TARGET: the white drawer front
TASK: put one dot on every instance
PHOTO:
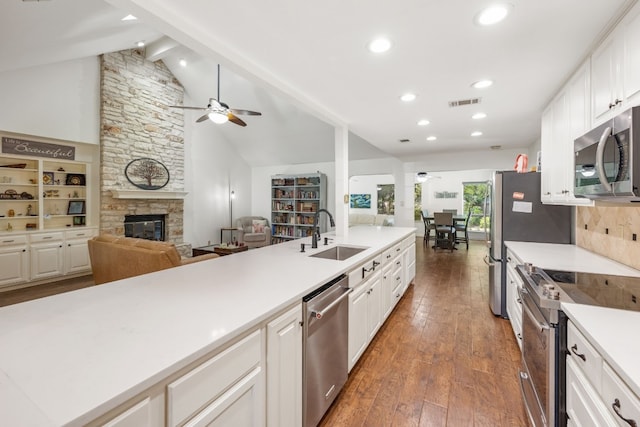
(188, 394)
(620, 400)
(584, 406)
(13, 240)
(585, 356)
(84, 233)
(46, 237)
(389, 254)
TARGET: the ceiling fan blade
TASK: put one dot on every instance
(235, 120)
(245, 112)
(187, 108)
(203, 118)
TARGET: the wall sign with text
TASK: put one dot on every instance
(25, 147)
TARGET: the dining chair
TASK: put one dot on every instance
(462, 230)
(428, 226)
(453, 211)
(444, 230)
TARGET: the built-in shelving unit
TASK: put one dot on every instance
(295, 199)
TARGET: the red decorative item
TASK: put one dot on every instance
(521, 163)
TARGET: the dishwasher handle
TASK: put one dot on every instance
(320, 313)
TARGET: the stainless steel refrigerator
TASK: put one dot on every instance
(517, 214)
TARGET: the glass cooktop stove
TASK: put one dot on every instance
(605, 290)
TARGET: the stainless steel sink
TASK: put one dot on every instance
(339, 253)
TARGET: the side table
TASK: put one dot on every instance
(216, 249)
(230, 230)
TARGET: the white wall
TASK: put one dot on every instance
(367, 184)
(59, 101)
(212, 169)
(451, 182)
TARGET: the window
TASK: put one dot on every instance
(386, 199)
(417, 201)
(474, 196)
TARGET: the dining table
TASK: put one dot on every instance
(456, 219)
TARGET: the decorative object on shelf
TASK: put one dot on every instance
(75, 195)
(146, 173)
(10, 194)
(31, 226)
(75, 179)
(79, 220)
(76, 207)
(360, 201)
(11, 213)
(15, 166)
(47, 178)
(6, 179)
(29, 208)
(25, 147)
(25, 195)
(9, 226)
(60, 169)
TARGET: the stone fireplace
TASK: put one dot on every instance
(136, 122)
(150, 227)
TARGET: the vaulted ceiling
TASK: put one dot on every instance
(307, 68)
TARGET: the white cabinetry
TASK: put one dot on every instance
(615, 71)
(148, 412)
(514, 304)
(562, 121)
(408, 261)
(76, 250)
(284, 369)
(14, 260)
(595, 393)
(46, 255)
(365, 307)
(227, 389)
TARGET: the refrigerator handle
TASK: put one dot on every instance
(487, 238)
(488, 262)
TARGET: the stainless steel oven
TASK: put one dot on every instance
(542, 373)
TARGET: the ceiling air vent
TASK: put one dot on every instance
(496, 147)
(463, 102)
(405, 140)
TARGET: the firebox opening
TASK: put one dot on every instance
(150, 227)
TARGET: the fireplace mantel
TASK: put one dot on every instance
(148, 194)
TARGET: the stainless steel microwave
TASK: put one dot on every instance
(606, 162)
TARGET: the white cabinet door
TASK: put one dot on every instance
(387, 290)
(148, 412)
(76, 256)
(46, 260)
(240, 406)
(357, 324)
(14, 264)
(548, 159)
(284, 369)
(631, 54)
(374, 306)
(585, 407)
(604, 79)
(579, 100)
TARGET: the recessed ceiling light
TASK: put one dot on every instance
(408, 97)
(423, 122)
(140, 43)
(183, 62)
(380, 45)
(431, 138)
(476, 133)
(493, 14)
(478, 116)
(481, 84)
(129, 18)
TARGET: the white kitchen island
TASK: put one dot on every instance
(72, 357)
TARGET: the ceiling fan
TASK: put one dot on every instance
(219, 112)
(424, 177)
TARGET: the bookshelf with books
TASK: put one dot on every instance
(295, 199)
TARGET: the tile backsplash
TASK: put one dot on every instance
(611, 231)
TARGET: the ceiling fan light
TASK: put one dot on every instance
(218, 118)
(421, 177)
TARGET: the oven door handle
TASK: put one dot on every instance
(600, 159)
(541, 325)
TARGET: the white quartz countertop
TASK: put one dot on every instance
(614, 333)
(568, 257)
(67, 358)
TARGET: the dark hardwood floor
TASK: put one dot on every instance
(442, 358)
(44, 290)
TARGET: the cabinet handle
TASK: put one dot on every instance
(616, 408)
(397, 262)
(574, 350)
(618, 101)
(24, 250)
(69, 244)
(520, 336)
(60, 246)
(548, 193)
(398, 278)
(375, 264)
(611, 105)
(47, 237)
(397, 249)
(8, 241)
(388, 256)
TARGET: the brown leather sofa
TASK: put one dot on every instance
(115, 258)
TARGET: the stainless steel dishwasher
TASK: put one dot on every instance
(325, 339)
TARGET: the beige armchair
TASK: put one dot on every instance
(253, 231)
